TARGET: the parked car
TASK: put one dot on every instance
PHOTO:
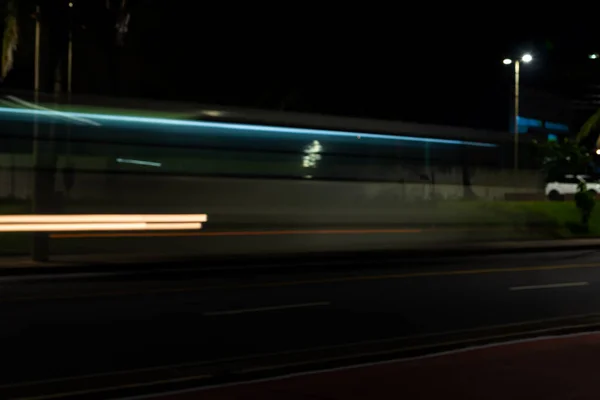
(556, 190)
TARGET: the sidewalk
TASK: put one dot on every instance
(547, 368)
(22, 265)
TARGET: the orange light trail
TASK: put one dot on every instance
(100, 222)
(100, 218)
(127, 226)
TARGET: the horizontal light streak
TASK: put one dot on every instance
(123, 226)
(138, 162)
(52, 112)
(100, 218)
(244, 128)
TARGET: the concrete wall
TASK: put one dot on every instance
(94, 180)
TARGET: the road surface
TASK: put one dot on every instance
(64, 327)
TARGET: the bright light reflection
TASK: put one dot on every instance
(101, 218)
(527, 58)
(131, 226)
(312, 154)
(507, 61)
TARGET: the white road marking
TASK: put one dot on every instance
(551, 286)
(261, 309)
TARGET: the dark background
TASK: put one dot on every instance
(424, 64)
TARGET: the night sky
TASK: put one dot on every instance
(431, 65)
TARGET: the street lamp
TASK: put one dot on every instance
(526, 58)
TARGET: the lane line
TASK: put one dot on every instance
(262, 309)
(550, 286)
(305, 282)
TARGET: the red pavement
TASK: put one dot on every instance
(552, 368)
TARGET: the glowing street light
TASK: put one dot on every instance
(598, 152)
(526, 58)
(593, 56)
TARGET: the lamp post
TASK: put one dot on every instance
(69, 80)
(526, 58)
(70, 54)
(39, 247)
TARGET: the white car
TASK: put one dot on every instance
(556, 190)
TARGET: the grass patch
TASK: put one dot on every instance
(549, 219)
(557, 219)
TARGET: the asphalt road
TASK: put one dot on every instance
(58, 327)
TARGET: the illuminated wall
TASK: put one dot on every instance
(552, 129)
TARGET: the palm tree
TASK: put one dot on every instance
(569, 156)
(122, 22)
(120, 10)
(591, 125)
(10, 37)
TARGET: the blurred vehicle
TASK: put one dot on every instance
(556, 190)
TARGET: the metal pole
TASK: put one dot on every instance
(427, 195)
(68, 167)
(36, 76)
(516, 133)
(70, 62)
(69, 80)
(39, 250)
